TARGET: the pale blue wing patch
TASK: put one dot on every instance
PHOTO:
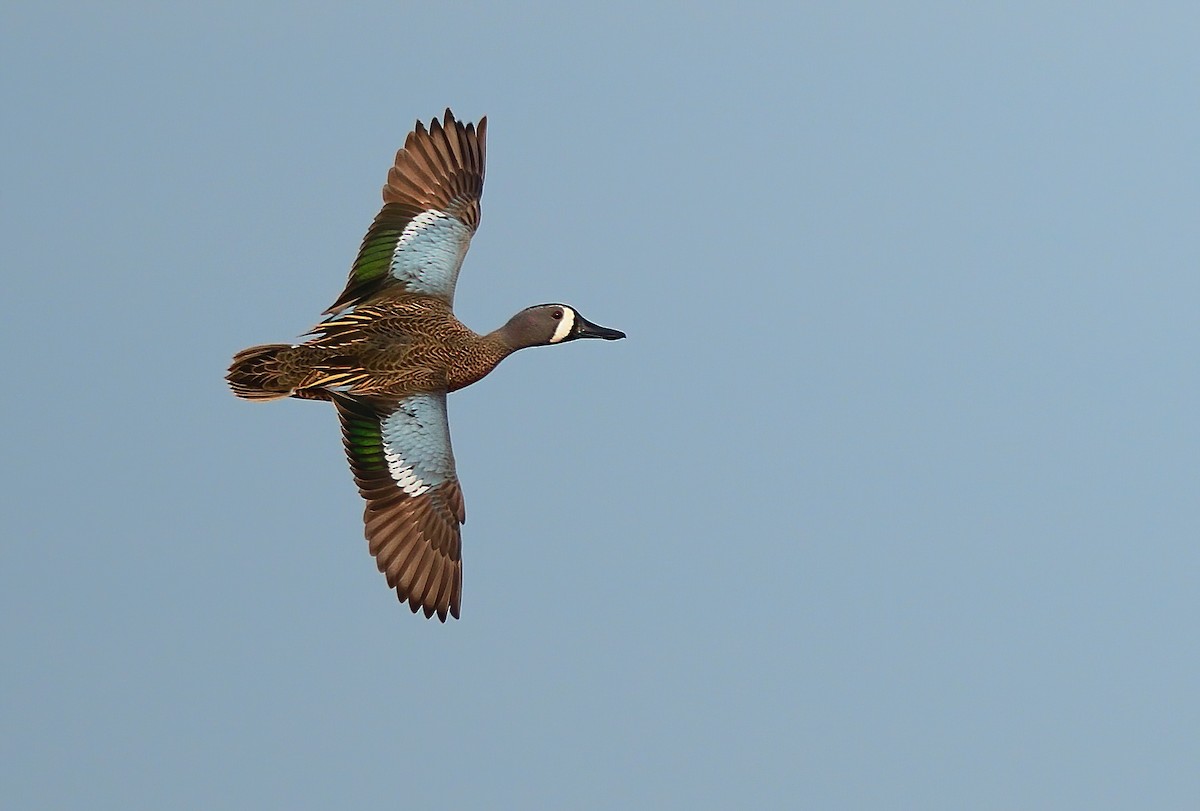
(429, 253)
(416, 443)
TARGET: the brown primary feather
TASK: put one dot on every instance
(441, 168)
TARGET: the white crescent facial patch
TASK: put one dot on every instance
(564, 326)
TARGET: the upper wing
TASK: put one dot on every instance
(399, 451)
(430, 212)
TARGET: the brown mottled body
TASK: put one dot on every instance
(398, 344)
(393, 345)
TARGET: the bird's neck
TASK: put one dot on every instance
(484, 355)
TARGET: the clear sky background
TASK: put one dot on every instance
(890, 499)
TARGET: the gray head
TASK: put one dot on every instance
(552, 324)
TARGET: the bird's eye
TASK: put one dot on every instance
(557, 314)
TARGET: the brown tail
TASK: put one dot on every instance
(257, 373)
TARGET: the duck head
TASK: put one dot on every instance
(552, 324)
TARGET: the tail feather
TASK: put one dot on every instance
(257, 373)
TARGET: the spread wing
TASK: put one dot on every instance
(399, 451)
(430, 212)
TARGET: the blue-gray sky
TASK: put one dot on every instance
(888, 501)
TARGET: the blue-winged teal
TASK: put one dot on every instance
(391, 348)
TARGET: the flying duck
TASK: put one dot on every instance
(389, 351)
